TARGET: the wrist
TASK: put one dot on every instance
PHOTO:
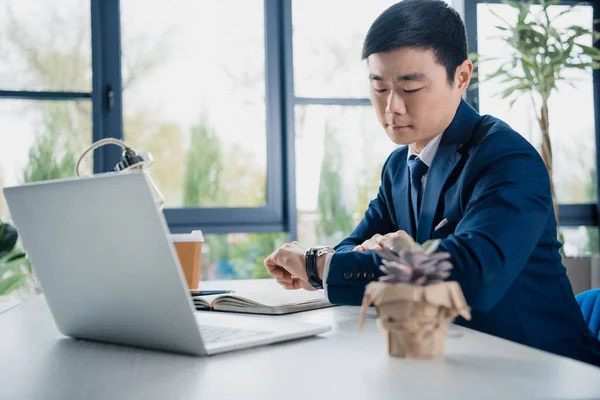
(315, 265)
(321, 265)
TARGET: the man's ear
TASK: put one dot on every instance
(463, 75)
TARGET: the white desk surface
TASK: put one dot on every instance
(37, 362)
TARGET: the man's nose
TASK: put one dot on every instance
(395, 104)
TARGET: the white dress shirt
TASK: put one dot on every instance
(426, 155)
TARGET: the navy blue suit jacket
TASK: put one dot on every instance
(493, 188)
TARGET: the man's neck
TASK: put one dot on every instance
(417, 147)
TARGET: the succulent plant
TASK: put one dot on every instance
(408, 262)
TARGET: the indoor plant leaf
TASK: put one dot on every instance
(11, 283)
(8, 238)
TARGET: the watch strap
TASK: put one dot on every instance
(311, 267)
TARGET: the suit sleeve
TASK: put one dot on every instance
(503, 221)
(348, 274)
(377, 218)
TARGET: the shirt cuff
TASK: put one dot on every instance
(326, 272)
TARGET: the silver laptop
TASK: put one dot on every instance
(99, 247)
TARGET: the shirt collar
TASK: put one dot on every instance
(426, 155)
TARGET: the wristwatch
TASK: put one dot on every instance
(311, 256)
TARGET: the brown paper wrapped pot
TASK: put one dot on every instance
(415, 319)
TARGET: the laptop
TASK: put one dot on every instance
(100, 249)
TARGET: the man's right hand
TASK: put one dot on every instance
(375, 242)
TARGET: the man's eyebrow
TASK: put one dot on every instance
(415, 76)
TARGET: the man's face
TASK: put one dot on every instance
(412, 97)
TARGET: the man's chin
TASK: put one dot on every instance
(401, 140)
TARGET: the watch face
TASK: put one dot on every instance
(324, 250)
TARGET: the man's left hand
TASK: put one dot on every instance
(288, 266)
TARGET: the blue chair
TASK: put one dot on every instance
(589, 302)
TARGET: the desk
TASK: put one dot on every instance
(37, 362)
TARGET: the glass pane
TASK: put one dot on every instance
(194, 96)
(45, 45)
(42, 140)
(580, 241)
(571, 109)
(327, 49)
(238, 255)
(339, 155)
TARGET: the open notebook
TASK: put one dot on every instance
(273, 303)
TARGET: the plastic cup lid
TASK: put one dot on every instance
(194, 236)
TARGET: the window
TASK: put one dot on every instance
(238, 255)
(572, 113)
(571, 109)
(45, 52)
(340, 151)
(580, 240)
(194, 96)
(45, 45)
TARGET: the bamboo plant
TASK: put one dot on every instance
(539, 59)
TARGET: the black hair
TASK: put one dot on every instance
(420, 24)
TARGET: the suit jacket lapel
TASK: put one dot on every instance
(443, 164)
(446, 158)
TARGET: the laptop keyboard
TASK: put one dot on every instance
(216, 334)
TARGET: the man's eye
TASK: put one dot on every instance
(412, 91)
(380, 90)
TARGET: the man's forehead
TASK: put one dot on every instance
(403, 60)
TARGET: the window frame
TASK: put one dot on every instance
(570, 214)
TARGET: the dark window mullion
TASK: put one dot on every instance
(286, 57)
(43, 95)
(106, 81)
(273, 106)
(578, 214)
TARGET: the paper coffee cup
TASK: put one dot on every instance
(189, 251)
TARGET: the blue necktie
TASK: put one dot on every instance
(417, 169)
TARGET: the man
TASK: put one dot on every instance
(468, 180)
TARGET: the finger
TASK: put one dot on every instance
(366, 243)
(360, 247)
(302, 284)
(285, 277)
(273, 269)
(273, 265)
(296, 284)
(285, 284)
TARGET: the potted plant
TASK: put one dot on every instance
(541, 56)
(11, 260)
(414, 304)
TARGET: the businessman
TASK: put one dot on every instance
(469, 180)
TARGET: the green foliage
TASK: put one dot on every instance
(44, 161)
(203, 168)
(540, 57)
(334, 216)
(248, 257)
(12, 262)
(229, 256)
(541, 54)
